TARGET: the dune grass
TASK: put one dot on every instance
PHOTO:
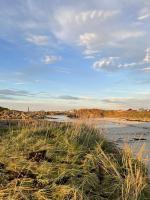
(67, 162)
(131, 115)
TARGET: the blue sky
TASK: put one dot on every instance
(64, 54)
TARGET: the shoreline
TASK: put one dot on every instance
(112, 118)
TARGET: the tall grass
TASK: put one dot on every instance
(78, 164)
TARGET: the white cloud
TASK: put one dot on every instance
(72, 23)
(50, 59)
(144, 14)
(141, 63)
(146, 69)
(39, 40)
(89, 57)
(102, 15)
(112, 63)
(97, 30)
(108, 28)
(87, 38)
(147, 56)
(123, 35)
(106, 63)
(126, 65)
(90, 52)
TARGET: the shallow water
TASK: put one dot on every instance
(135, 134)
(58, 118)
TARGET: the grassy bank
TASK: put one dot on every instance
(130, 114)
(67, 162)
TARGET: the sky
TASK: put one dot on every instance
(66, 54)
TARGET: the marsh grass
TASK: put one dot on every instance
(68, 162)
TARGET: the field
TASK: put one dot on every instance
(44, 161)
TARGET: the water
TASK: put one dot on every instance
(59, 118)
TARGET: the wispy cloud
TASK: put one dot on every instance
(144, 14)
(50, 59)
(124, 35)
(5, 97)
(109, 63)
(147, 56)
(86, 16)
(39, 40)
(14, 94)
(114, 63)
(146, 69)
(130, 101)
(68, 97)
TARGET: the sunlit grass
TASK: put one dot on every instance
(77, 164)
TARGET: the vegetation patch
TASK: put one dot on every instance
(67, 162)
(131, 115)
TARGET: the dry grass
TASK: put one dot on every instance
(134, 115)
(78, 164)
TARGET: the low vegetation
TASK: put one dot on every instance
(135, 115)
(143, 115)
(67, 162)
(2, 109)
(6, 114)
